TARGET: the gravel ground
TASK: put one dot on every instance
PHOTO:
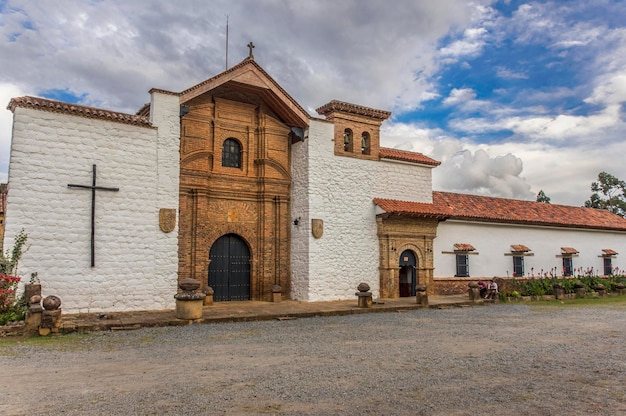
(506, 359)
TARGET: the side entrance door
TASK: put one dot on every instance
(408, 263)
(229, 269)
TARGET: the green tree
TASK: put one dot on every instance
(609, 193)
(542, 197)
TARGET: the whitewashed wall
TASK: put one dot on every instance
(492, 241)
(135, 262)
(339, 190)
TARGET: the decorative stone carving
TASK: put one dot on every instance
(317, 228)
(51, 303)
(167, 219)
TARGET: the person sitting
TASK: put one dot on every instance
(483, 289)
(492, 290)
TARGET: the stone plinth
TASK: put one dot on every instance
(364, 296)
(474, 291)
(51, 315)
(276, 293)
(421, 297)
(208, 300)
(579, 288)
(189, 303)
(558, 291)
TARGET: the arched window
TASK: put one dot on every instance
(231, 154)
(365, 143)
(347, 140)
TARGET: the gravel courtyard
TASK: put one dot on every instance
(505, 359)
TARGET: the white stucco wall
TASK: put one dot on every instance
(135, 262)
(492, 241)
(339, 190)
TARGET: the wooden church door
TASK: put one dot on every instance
(229, 269)
(408, 263)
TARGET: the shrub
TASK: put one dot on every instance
(11, 309)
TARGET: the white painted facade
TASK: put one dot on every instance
(135, 262)
(493, 241)
(339, 190)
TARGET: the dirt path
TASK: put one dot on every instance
(501, 359)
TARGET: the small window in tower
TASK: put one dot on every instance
(231, 154)
(347, 140)
(365, 143)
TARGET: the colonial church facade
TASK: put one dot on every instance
(233, 183)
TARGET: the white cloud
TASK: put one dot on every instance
(460, 95)
(470, 44)
(506, 73)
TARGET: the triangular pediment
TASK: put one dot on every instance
(249, 77)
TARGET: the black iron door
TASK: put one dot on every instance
(229, 269)
(408, 263)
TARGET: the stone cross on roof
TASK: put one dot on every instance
(251, 46)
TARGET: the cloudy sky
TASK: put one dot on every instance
(512, 96)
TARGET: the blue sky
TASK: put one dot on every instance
(511, 96)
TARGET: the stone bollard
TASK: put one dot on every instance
(51, 315)
(474, 291)
(579, 288)
(421, 297)
(558, 291)
(208, 300)
(364, 295)
(276, 293)
(620, 288)
(189, 302)
(34, 313)
(601, 290)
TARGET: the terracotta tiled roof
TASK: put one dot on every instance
(519, 248)
(569, 250)
(609, 252)
(414, 157)
(502, 210)
(416, 209)
(464, 247)
(341, 106)
(77, 110)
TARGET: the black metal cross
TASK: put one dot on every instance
(93, 188)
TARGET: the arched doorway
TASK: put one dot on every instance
(408, 265)
(229, 268)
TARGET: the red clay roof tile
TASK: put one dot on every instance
(403, 155)
(77, 110)
(569, 250)
(447, 205)
(519, 248)
(609, 252)
(463, 247)
(342, 106)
